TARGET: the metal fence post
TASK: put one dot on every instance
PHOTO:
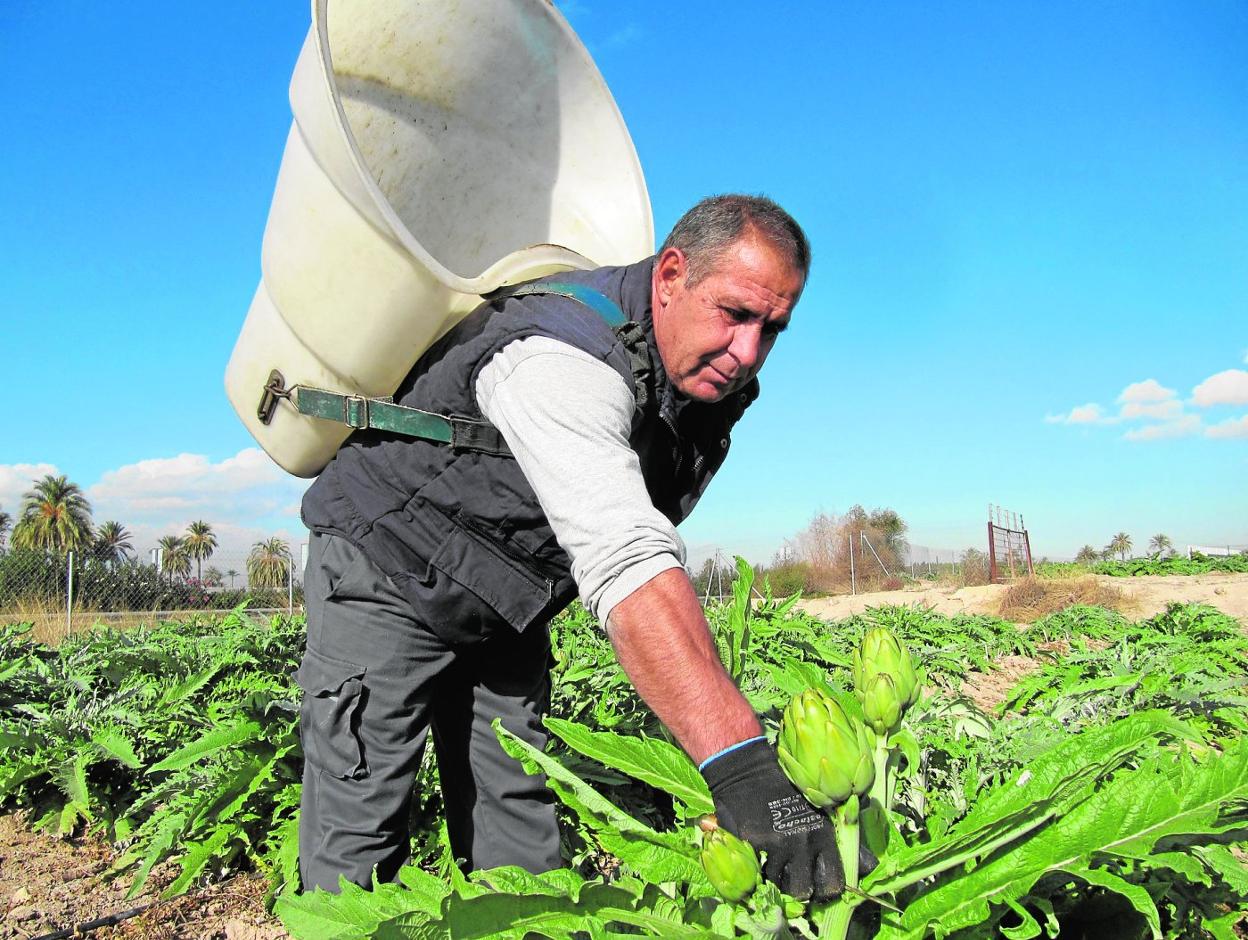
(853, 578)
(69, 592)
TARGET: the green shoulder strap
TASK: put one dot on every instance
(383, 414)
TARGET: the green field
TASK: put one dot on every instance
(1106, 794)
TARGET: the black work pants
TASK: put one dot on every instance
(376, 679)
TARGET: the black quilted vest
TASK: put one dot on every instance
(461, 533)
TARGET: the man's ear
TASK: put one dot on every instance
(669, 273)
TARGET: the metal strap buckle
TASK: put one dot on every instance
(355, 411)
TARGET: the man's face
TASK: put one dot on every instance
(713, 337)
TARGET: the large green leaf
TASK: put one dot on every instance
(650, 760)
(209, 743)
(353, 913)
(113, 743)
(656, 856)
(1166, 798)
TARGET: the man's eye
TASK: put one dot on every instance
(738, 316)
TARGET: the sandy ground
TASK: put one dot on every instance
(1147, 596)
(49, 884)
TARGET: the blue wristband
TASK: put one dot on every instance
(729, 749)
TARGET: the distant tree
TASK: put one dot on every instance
(200, 543)
(1160, 544)
(231, 574)
(1088, 555)
(174, 560)
(6, 522)
(1120, 543)
(893, 528)
(112, 543)
(55, 517)
(212, 577)
(268, 563)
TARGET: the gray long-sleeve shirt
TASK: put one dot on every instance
(566, 417)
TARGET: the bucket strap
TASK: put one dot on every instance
(383, 414)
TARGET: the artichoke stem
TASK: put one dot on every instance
(833, 919)
(881, 787)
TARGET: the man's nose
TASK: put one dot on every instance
(746, 345)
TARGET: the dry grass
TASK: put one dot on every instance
(1029, 599)
(49, 622)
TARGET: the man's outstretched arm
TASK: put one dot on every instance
(663, 642)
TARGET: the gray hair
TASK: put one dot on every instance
(716, 223)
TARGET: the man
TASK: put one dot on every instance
(434, 570)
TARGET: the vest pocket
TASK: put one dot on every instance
(329, 715)
(516, 594)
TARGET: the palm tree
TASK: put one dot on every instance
(231, 574)
(1160, 544)
(268, 563)
(55, 517)
(112, 543)
(5, 522)
(200, 544)
(1087, 555)
(174, 561)
(1120, 543)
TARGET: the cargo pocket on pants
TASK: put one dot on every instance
(329, 716)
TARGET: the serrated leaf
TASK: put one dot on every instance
(209, 743)
(650, 760)
(1165, 798)
(198, 855)
(656, 856)
(116, 745)
(1228, 867)
(352, 914)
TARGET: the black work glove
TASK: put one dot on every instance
(755, 801)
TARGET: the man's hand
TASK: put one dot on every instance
(755, 801)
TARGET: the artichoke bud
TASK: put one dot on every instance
(731, 865)
(882, 653)
(882, 705)
(823, 751)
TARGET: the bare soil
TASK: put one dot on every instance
(1138, 597)
(1144, 596)
(49, 884)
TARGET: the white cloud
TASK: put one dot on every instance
(1225, 388)
(1184, 426)
(1080, 414)
(1149, 390)
(168, 492)
(1235, 427)
(1161, 410)
(16, 479)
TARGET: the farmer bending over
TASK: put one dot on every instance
(434, 570)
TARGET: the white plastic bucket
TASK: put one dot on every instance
(439, 150)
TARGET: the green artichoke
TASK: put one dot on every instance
(881, 704)
(730, 864)
(824, 751)
(881, 653)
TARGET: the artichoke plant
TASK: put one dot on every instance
(731, 865)
(824, 751)
(882, 704)
(881, 653)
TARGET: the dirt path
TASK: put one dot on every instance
(1147, 595)
(49, 884)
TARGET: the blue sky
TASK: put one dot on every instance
(1030, 226)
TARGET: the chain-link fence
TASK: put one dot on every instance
(64, 593)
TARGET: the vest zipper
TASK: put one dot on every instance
(522, 563)
(680, 451)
